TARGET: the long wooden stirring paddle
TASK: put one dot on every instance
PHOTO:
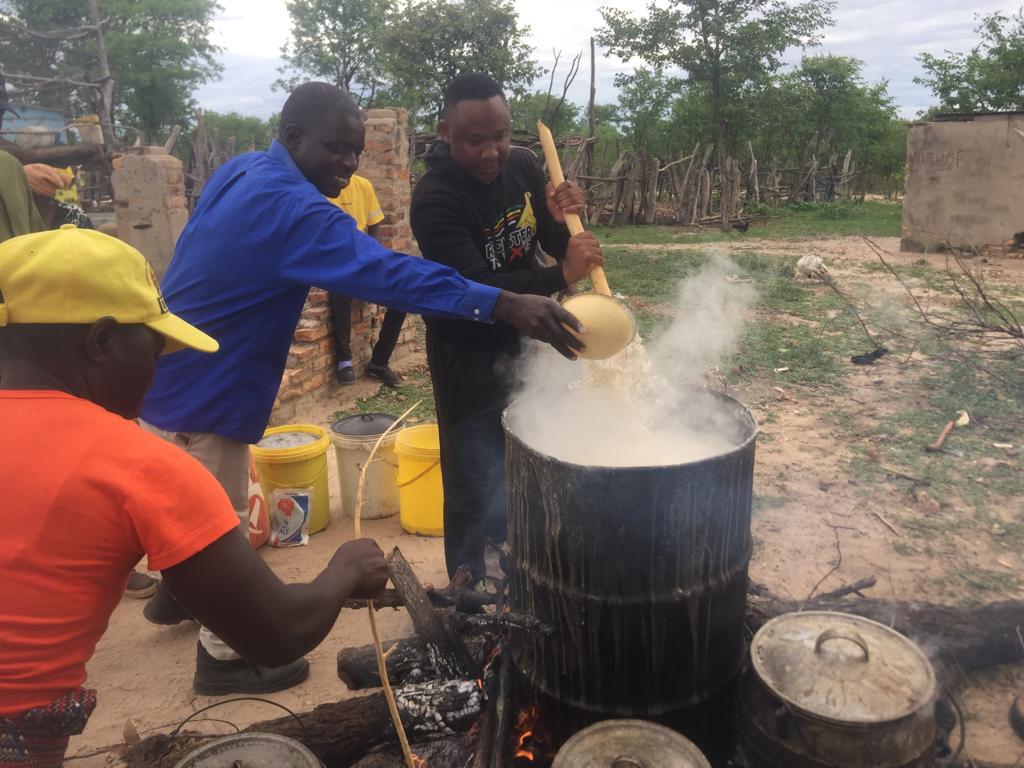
(610, 324)
(572, 221)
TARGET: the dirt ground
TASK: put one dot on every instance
(822, 516)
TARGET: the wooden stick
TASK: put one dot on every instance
(889, 525)
(382, 667)
(937, 445)
(572, 221)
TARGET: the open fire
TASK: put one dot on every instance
(531, 739)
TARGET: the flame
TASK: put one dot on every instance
(524, 724)
(418, 761)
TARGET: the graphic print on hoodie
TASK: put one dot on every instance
(512, 236)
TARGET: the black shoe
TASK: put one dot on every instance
(384, 373)
(219, 678)
(164, 609)
(140, 586)
(346, 376)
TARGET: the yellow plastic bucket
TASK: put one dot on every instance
(420, 495)
(292, 463)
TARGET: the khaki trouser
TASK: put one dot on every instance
(228, 461)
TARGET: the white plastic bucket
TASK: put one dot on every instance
(353, 438)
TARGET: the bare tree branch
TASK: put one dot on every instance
(51, 35)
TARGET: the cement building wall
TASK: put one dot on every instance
(965, 182)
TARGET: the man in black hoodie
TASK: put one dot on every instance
(482, 208)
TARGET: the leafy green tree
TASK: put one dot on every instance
(723, 46)
(337, 41)
(528, 108)
(825, 103)
(426, 43)
(249, 133)
(645, 96)
(159, 52)
(29, 55)
(990, 77)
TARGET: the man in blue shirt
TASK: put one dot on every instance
(262, 234)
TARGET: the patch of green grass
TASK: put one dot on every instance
(872, 218)
(788, 354)
(652, 275)
(415, 386)
(996, 409)
(902, 548)
(920, 271)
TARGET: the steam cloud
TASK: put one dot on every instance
(648, 408)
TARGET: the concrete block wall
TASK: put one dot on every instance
(309, 375)
(965, 182)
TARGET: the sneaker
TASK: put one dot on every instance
(384, 373)
(346, 376)
(219, 678)
(140, 586)
(164, 609)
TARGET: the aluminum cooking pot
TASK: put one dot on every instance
(830, 690)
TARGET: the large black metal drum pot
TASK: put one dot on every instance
(641, 571)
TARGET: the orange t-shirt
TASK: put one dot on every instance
(85, 494)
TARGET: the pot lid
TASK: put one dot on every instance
(842, 668)
(253, 750)
(629, 744)
(363, 425)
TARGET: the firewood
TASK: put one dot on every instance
(341, 732)
(455, 751)
(408, 661)
(449, 655)
(485, 734)
(502, 714)
(464, 600)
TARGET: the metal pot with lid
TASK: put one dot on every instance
(832, 689)
(629, 744)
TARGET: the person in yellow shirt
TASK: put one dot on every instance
(359, 200)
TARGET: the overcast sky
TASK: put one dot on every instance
(886, 35)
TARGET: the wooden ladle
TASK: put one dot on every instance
(610, 324)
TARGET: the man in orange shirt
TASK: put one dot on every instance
(88, 493)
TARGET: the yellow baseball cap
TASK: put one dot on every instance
(78, 276)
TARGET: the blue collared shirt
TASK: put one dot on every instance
(259, 238)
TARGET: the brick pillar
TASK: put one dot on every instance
(310, 372)
(151, 209)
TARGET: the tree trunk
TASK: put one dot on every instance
(723, 161)
(591, 117)
(107, 89)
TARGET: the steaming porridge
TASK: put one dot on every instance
(644, 407)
